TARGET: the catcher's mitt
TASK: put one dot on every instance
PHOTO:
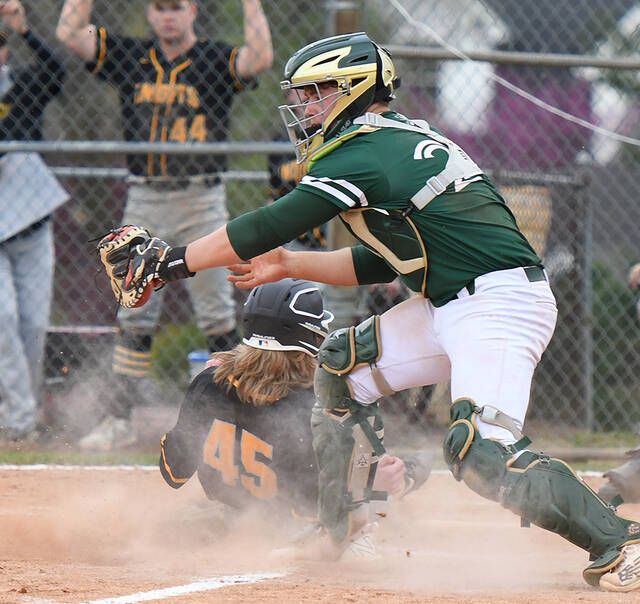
(132, 258)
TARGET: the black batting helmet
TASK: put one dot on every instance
(285, 315)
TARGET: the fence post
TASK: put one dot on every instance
(587, 274)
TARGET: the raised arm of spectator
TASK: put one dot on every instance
(256, 55)
(75, 31)
(48, 72)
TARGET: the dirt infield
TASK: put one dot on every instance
(86, 535)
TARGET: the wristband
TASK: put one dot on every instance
(174, 266)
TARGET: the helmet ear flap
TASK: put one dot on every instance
(386, 80)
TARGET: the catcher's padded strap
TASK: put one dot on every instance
(496, 417)
(359, 415)
(380, 381)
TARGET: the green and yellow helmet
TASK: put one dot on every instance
(363, 71)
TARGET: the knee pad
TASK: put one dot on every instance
(542, 490)
(351, 347)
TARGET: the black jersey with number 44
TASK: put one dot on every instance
(184, 100)
(243, 454)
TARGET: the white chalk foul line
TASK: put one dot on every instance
(73, 468)
(180, 590)
(40, 467)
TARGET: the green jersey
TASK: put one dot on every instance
(461, 227)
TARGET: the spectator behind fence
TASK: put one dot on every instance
(28, 195)
(173, 87)
(623, 482)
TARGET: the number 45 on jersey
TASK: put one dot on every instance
(220, 453)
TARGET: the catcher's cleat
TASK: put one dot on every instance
(362, 546)
(625, 575)
(110, 434)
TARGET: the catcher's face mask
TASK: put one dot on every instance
(309, 111)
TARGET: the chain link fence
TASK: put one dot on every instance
(574, 189)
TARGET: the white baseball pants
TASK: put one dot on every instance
(487, 343)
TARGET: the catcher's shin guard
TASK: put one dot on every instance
(347, 436)
(347, 443)
(543, 490)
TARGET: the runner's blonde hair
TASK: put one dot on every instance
(262, 377)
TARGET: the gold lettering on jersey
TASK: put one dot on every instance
(167, 94)
(5, 110)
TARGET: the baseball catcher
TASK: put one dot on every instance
(482, 315)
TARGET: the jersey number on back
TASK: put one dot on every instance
(219, 452)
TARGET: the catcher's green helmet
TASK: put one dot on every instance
(363, 71)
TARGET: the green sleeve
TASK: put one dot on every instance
(369, 267)
(266, 228)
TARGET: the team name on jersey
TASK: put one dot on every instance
(166, 94)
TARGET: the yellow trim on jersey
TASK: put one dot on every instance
(156, 110)
(173, 77)
(167, 467)
(257, 398)
(334, 143)
(102, 50)
(237, 82)
(425, 293)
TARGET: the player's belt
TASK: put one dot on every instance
(174, 184)
(532, 273)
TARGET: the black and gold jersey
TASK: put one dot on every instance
(243, 454)
(184, 100)
(30, 90)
